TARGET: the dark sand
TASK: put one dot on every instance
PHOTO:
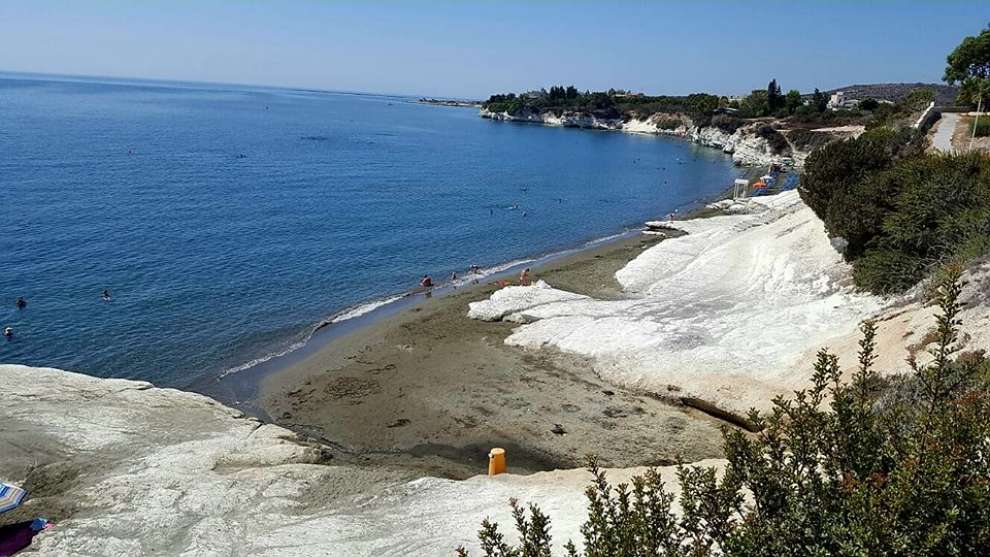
(432, 391)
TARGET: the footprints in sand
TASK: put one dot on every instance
(401, 422)
(348, 387)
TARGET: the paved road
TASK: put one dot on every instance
(943, 135)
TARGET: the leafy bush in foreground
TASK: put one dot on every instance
(867, 467)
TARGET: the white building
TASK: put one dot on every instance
(838, 101)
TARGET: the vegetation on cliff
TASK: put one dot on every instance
(728, 114)
(606, 104)
(902, 212)
(872, 466)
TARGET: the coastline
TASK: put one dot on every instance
(237, 385)
(330, 390)
(432, 390)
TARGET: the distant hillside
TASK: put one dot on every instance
(944, 94)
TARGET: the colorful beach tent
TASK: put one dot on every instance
(11, 497)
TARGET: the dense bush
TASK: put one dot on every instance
(808, 140)
(607, 104)
(835, 184)
(669, 123)
(776, 140)
(901, 211)
(727, 123)
(980, 128)
(867, 467)
(904, 112)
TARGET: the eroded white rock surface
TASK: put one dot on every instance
(744, 144)
(725, 313)
(129, 469)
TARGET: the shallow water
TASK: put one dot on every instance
(227, 221)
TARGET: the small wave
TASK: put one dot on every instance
(260, 360)
(358, 311)
(362, 309)
(349, 313)
(605, 239)
(468, 277)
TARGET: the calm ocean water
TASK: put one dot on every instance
(227, 221)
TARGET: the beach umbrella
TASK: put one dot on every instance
(11, 497)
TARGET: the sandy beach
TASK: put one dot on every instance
(432, 390)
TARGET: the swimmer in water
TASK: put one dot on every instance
(106, 295)
(8, 333)
(21, 303)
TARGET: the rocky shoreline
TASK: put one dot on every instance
(124, 468)
(744, 144)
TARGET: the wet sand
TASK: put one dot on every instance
(431, 391)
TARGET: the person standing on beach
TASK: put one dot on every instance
(427, 284)
(524, 278)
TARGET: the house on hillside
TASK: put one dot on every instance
(839, 101)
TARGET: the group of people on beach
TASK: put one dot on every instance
(20, 303)
(426, 283)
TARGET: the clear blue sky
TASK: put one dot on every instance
(471, 49)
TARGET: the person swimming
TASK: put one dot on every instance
(21, 303)
(8, 333)
(106, 295)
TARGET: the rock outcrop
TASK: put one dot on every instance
(745, 145)
(125, 468)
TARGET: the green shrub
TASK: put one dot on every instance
(669, 123)
(941, 211)
(835, 184)
(776, 140)
(865, 467)
(726, 123)
(808, 140)
(901, 211)
(980, 127)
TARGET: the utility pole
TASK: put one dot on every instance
(979, 108)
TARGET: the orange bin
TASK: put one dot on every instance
(496, 462)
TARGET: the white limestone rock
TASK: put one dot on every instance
(129, 469)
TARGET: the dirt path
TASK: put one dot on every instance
(942, 140)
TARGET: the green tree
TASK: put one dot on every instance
(755, 104)
(702, 103)
(793, 100)
(775, 99)
(970, 59)
(870, 104)
(969, 65)
(819, 100)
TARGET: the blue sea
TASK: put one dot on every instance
(228, 221)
